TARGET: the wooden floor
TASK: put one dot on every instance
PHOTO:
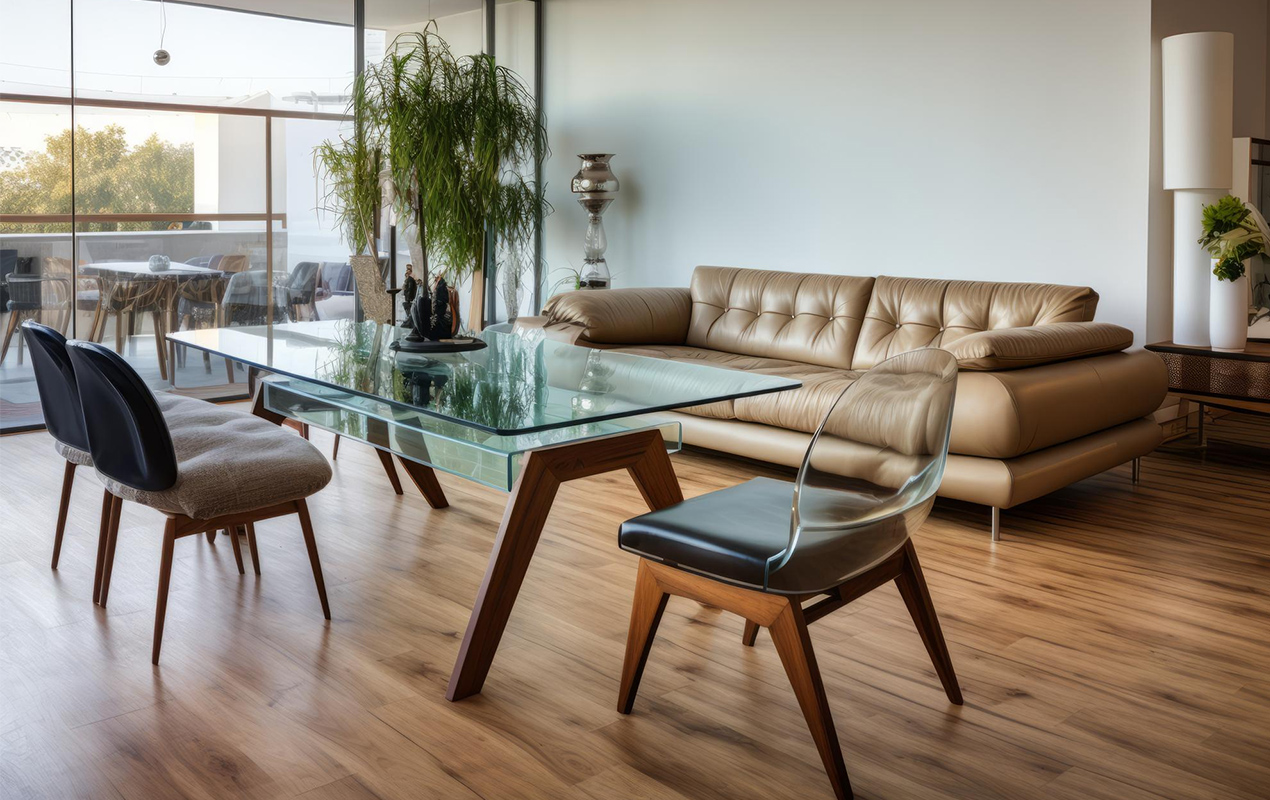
(1115, 645)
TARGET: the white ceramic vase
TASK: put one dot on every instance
(1228, 313)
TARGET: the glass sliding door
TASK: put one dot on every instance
(108, 159)
(35, 192)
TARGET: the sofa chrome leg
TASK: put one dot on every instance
(1137, 470)
(996, 524)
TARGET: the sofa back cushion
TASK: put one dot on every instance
(815, 319)
(908, 313)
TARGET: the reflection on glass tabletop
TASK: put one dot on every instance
(520, 383)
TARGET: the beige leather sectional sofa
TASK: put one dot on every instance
(1045, 397)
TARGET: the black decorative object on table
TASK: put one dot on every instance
(409, 290)
(432, 323)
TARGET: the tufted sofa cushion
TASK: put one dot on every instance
(810, 318)
(909, 313)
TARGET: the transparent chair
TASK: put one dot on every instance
(841, 529)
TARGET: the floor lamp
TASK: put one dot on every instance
(1199, 89)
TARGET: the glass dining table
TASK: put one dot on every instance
(522, 415)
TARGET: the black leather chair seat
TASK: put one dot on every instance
(730, 534)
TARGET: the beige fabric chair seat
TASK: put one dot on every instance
(82, 458)
(228, 462)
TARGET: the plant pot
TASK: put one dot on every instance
(1228, 314)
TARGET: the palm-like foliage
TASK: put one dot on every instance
(349, 170)
(458, 138)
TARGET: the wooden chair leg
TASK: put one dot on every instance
(646, 612)
(751, 633)
(112, 538)
(68, 477)
(251, 544)
(232, 533)
(916, 596)
(165, 578)
(160, 344)
(304, 431)
(103, 533)
(211, 536)
(335, 451)
(789, 634)
(310, 542)
(8, 333)
(386, 460)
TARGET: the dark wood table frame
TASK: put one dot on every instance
(641, 453)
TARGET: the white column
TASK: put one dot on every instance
(1199, 87)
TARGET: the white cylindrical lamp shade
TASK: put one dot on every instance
(1198, 109)
(1199, 102)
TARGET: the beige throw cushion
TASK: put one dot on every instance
(1012, 348)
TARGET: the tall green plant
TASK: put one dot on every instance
(459, 138)
(349, 171)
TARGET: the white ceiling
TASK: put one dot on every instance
(379, 13)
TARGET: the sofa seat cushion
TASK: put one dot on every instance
(799, 409)
(230, 461)
(1008, 413)
(1000, 414)
(793, 408)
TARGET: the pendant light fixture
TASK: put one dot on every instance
(161, 56)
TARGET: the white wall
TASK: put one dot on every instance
(981, 139)
(1249, 20)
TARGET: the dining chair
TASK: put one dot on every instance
(204, 467)
(197, 305)
(841, 529)
(59, 403)
(35, 296)
(299, 291)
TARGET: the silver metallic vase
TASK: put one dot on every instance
(596, 187)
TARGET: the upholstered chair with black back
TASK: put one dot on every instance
(841, 529)
(59, 402)
(299, 291)
(204, 467)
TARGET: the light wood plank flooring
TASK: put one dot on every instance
(1115, 645)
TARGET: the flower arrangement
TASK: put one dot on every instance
(1233, 233)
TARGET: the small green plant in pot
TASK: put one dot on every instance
(1233, 234)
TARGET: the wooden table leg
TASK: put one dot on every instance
(642, 453)
(425, 480)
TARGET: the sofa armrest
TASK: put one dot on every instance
(621, 316)
(1013, 348)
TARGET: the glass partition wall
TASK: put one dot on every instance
(138, 199)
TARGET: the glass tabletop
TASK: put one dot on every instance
(520, 383)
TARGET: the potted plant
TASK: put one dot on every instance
(1233, 234)
(349, 168)
(459, 138)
